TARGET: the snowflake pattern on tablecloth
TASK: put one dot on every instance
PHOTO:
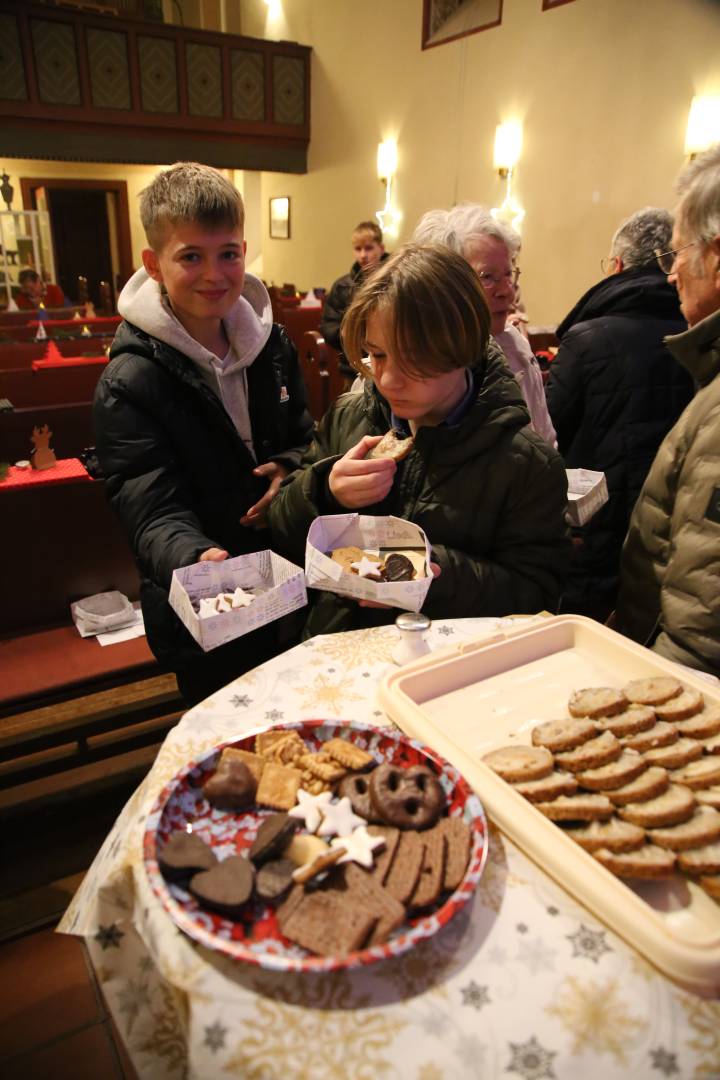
(328, 696)
(590, 944)
(133, 997)
(446, 631)
(536, 955)
(273, 715)
(241, 701)
(215, 1037)
(664, 1061)
(531, 1060)
(474, 995)
(552, 911)
(521, 928)
(109, 936)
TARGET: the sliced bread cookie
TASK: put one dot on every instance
(709, 796)
(623, 770)
(673, 806)
(576, 808)
(601, 750)
(614, 835)
(636, 718)
(702, 828)
(681, 707)
(702, 725)
(516, 763)
(702, 773)
(649, 861)
(557, 783)
(675, 756)
(712, 745)
(563, 734)
(661, 734)
(652, 691)
(597, 701)
(702, 860)
(648, 785)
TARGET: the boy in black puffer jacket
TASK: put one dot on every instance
(199, 414)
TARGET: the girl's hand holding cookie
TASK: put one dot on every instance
(356, 482)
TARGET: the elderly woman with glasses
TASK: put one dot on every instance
(614, 392)
(491, 249)
(670, 578)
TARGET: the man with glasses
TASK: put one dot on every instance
(491, 248)
(670, 579)
(614, 392)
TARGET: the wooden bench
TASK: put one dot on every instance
(319, 365)
(66, 701)
(298, 320)
(52, 386)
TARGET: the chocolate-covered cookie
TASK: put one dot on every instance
(410, 798)
(226, 888)
(398, 568)
(274, 880)
(183, 855)
(232, 786)
(357, 789)
(272, 836)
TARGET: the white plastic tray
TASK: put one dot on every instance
(470, 699)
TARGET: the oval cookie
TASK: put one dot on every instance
(515, 763)
(563, 734)
(673, 806)
(596, 702)
(652, 691)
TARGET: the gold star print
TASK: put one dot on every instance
(325, 695)
(360, 647)
(597, 1018)
(704, 1020)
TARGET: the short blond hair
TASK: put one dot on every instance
(367, 228)
(187, 192)
(434, 309)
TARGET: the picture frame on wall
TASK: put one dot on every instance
(280, 218)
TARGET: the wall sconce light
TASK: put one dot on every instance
(388, 217)
(703, 126)
(506, 154)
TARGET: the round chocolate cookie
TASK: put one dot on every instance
(410, 798)
(357, 789)
(183, 855)
(398, 568)
(272, 837)
(226, 888)
(274, 879)
(231, 787)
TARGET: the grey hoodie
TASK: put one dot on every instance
(247, 325)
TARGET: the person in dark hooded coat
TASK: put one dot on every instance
(613, 394)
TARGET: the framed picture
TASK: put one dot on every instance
(448, 20)
(280, 218)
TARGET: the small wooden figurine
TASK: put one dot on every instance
(42, 457)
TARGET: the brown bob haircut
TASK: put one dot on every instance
(434, 312)
(188, 192)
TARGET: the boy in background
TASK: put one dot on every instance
(367, 245)
(199, 414)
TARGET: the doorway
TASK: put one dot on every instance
(90, 227)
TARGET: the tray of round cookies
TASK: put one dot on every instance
(601, 760)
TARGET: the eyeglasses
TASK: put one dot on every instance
(491, 281)
(666, 259)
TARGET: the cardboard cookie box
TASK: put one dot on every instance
(587, 493)
(379, 536)
(277, 587)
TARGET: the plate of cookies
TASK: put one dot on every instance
(601, 760)
(315, 845)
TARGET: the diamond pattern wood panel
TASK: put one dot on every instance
(13, 86)
(204, 78)
(109, 71)
(56, 62)
(288, 90)
(158, 75)
(248, 85)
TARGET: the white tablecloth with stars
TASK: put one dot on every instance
(523, 984)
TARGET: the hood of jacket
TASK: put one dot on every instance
(499, 408)
(642, 293)
(247, 324)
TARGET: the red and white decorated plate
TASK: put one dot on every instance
(256, 937)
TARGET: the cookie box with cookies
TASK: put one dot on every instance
(601, 760)
(385, 559)
(220, 601)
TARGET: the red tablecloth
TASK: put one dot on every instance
(63, 472)
(69, 361)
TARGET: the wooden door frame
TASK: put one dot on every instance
(29, 186)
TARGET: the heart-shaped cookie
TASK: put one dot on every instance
(226, 888)
(183, 855)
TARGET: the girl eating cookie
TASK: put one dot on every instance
(489, 494)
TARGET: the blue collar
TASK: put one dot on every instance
(458, 413)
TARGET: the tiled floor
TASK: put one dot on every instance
(53, 1021)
